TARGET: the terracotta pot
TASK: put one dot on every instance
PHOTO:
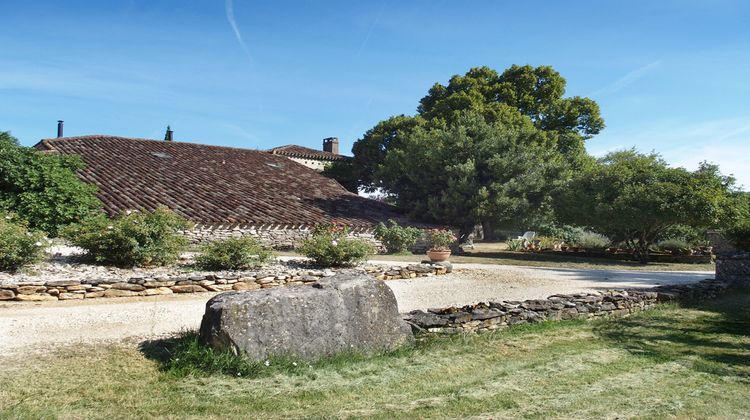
(437, 255)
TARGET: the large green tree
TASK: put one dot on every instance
(636, 198)
(522, 97)
(43, 188)
(472, 171)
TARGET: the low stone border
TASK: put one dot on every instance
(151, 286)
(497, 315)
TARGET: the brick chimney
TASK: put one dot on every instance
(331, 145)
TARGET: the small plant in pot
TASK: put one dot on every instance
(439, 242)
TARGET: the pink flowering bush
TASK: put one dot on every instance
(440, 239)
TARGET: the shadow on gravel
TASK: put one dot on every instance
(711, 337)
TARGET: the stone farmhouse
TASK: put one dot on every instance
(314, 159)
(225, 191)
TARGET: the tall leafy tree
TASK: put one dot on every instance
(471, 171)
(521, 98)
(636, 198)
(43, 188)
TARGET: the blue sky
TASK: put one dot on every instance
(670, 76)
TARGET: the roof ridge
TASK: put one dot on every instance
(95, 136)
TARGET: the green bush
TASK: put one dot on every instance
(131, 239)
(43, 189)
(232, 254)
(397, 239)
(591, 240)
(674, 246)
(328, 246)
(739, 235)
(566, 233)
(516, 244)
(548, 242)
(18, 246)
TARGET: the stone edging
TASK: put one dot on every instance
(151, 286)
(493, 315)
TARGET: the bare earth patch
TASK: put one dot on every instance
(41, 326)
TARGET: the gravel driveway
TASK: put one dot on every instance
(36, 327)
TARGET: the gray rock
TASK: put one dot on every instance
(426, 319)
(346, 312)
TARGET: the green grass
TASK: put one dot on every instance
(686, 362)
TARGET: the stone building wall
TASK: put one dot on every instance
(721, 245)
(279, 237)
(734, 268)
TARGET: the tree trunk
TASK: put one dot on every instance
(641, 252)
(488, 230)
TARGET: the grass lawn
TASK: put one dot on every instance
(685, 362)
(497, 253)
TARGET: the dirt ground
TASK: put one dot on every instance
(30, 327)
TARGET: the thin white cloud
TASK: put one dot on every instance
(229, 8)
(369, 32)
(629, 78)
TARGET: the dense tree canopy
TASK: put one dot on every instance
(471, 171)
(42, 189)
(522, 98)
(737, 221)
(636, 198)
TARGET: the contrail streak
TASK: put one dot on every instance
(229, 7)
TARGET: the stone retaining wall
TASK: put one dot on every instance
(734, 268)
(150, 286)
(497, 315)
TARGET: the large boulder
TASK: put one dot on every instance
(346, 312)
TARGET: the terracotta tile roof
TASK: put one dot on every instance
(212, 184)
(293, 150)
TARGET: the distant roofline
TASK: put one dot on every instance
(306, 153)
(99, 136)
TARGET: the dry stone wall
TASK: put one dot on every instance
(498, 315)
(219, 282)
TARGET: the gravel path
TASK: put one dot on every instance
(36, 327)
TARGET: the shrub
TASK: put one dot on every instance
(440, 239)
(397, 239)
(739, 235)
(328, 246)
(566, 233)
(674, 246)
(548, 242)
(516, 244)
(131, 239)
(43, 189)
(591, 240)
(18, 246)
(232, 254)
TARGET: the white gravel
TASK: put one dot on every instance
(36, 327)
(472, 283)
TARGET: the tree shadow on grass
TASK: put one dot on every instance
(711, 337)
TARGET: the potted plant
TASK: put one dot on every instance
(439, 241)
